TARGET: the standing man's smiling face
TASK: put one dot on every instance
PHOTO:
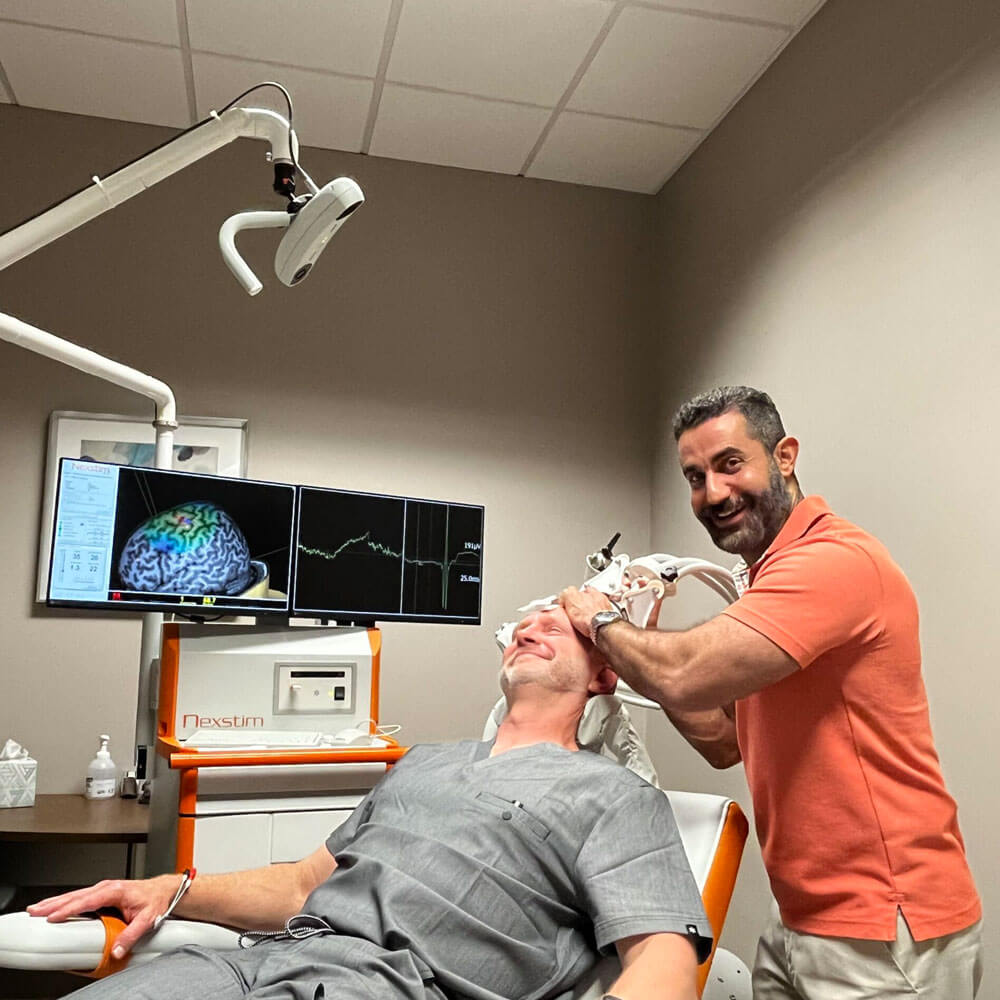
(739, 490)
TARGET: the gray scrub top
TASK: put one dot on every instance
(507, 874)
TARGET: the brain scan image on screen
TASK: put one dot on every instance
(195, 547)
(128, 538)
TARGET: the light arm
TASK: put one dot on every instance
(296, 256)
(134, 178)
(103, 195)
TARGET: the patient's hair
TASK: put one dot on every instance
(762, 417)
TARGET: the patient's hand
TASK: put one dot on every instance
(140, 902)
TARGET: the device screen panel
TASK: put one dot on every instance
(127, 538)
(366, 557)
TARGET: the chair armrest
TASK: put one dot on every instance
(84, 944)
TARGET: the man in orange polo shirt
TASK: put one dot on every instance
(812, 679)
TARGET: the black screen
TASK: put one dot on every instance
(366, 557)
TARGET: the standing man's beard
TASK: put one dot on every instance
(764, 514)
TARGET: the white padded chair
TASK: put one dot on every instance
(713, 830)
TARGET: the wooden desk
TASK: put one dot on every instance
(74, 819)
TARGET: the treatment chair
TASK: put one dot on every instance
(713, 830)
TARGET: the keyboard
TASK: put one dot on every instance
(229, 739)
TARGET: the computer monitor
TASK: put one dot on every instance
(135, 539)
(364, 557)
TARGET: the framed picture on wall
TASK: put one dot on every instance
(214, 445)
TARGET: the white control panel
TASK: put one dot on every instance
(311, 688)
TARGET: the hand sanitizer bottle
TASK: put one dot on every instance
(102, 775)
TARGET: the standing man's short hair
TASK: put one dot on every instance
(762, 417)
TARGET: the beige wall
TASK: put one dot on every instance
(836, 242)
(464, 337)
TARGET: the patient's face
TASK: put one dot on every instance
(547, 650)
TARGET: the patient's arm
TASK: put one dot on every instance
(258, 899)
(656, 967)
(711, 731)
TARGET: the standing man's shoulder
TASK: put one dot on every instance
(835, 546)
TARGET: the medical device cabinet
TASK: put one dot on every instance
(224, 808)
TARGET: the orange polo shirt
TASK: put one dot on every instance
(850, 806)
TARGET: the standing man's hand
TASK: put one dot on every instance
(582, 605)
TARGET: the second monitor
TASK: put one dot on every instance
(364, 556)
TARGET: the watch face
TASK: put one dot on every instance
(606, 617)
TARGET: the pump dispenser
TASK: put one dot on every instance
(102, 775)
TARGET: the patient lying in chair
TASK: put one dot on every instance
(473, 870)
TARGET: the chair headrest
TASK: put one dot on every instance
(605, 728)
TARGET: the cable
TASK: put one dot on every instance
(288, 102)
(258, 86)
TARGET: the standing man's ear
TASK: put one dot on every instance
(786, 454)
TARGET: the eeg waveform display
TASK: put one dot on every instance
(365, 556)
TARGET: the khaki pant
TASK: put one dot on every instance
(794, 966)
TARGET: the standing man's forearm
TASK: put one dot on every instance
(640, 658)
(674, 669)
(711, 731)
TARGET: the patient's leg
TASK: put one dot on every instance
(185, 974)
(334, 967)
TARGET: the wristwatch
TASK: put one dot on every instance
(601, 619)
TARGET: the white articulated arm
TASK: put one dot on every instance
(134, 178)
(24, 335)
(227, 242)
(318, 215)
(100, 197)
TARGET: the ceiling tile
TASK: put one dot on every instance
(330, 111)
(516, 50)
(457, 131)
(342, 36)
(679, 69)
(148, 21)
(87, 75)
(790, 12)
(609, 152)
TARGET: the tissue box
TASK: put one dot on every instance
(17, 782)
